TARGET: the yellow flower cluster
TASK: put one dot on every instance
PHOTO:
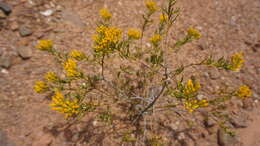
(155, 39)
(194, 33)
(107, 38)
(45, 45)
(195, 104)
(68, 107)
(244, 92)
(70, 66)
(191, 88)
(134, 34)
(163, 18)
(237, 61)
(51, 77)
(40, 87)
(105, 14)
(151, 6)
(78, 55)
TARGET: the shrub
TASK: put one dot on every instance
(142, 77)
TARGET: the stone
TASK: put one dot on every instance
(200, 97)
(25, 52)
(2, 15)
(6, 8)
(48, 12)
(72, 17)
(206, 74)
(25, 31)
(14, 26)
(238, 122)
(209, 123)
(224, 139)
(5, 62)
(4, 71)
(214, 74)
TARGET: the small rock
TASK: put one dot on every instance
(200, 97)
(206, 74)
(25, 52)
(5, 7)
(2, 15)
(14, 26)
(25, 31)
(225, 139)
(5, 62)
(214, 74)
(72, 17)
(238, 122)
(181, 136)
(46, 13)
(4, 71)
(209, 123)
(148, 45)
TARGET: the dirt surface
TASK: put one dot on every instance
(227, 26)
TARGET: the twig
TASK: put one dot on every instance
(102, 66)
(155, 99)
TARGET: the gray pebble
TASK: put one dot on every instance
(5, 7)
(25, 31)
(5, 62)
(25, 52)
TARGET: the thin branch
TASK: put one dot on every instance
(155, 99)
(102, 66)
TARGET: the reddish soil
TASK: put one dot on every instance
(227, 26)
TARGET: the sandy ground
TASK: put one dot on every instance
(228, 26)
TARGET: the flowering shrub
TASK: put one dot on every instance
(143, 78)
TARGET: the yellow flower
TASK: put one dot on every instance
(151, 6)
(244, 92)
(45, 45)
(65, 106)
(237, 61)
(194, 33)
(155, 39)
(134, 33)
(191, 88)
(70, 66)
(106, 38)
(40, 87)
(51, 77)
(163, 18)
(78, 55)
(105, 14)
(195, 104)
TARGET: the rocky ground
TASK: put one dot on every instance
(228, 26)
